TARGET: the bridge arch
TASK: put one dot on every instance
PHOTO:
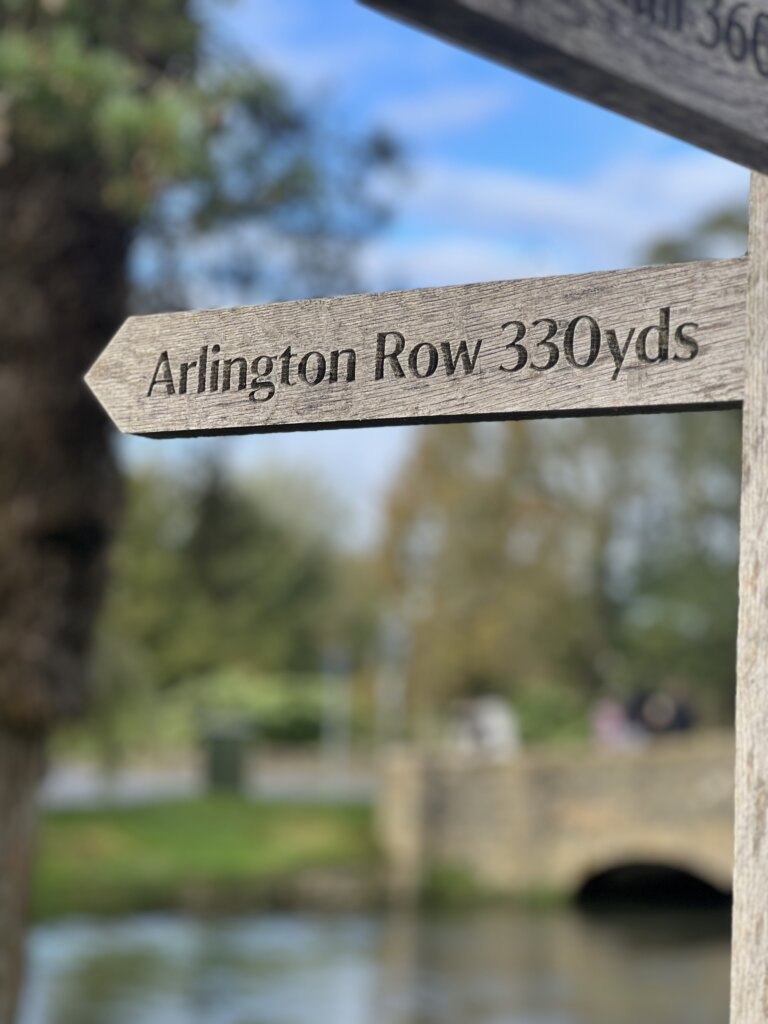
(665, 858)
(652, 883)
(659, 872)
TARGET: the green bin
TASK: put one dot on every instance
(226, 749)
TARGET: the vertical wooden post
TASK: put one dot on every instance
(749, 970)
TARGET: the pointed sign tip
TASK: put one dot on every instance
(100, 380)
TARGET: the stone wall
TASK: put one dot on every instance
(548, 822)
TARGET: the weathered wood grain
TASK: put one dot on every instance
(689, 318)
(697, 69)
(749, 971)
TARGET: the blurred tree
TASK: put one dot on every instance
(573, 558)
(214, 577)
(491, 550)
(720, 234)
(206, 578)
(472, 553)
(116, 131)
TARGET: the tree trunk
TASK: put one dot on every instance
(21, 759)
(62, 294)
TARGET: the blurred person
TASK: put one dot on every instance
(658, 712)
(485, 725)
(611, 726)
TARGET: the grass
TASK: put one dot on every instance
(210, 853)
(452, 887)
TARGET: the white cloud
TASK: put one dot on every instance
(390, 264)
(608, 219)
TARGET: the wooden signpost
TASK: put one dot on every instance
(749, 944)
(661, 338)
(657, 338)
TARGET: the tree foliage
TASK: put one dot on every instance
(206, 577)
(182, 143)
(592, 556)
(209, 576)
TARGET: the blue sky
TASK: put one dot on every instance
(505, 178)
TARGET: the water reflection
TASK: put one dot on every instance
(489, 967)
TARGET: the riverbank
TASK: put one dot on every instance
(231, 855)
(211, 854)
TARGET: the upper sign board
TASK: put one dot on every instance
(658, 338)
(696, 69)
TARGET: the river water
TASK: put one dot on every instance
(485, 967)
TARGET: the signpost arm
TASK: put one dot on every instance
(749, 970)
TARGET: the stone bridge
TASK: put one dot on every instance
(552, 822)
